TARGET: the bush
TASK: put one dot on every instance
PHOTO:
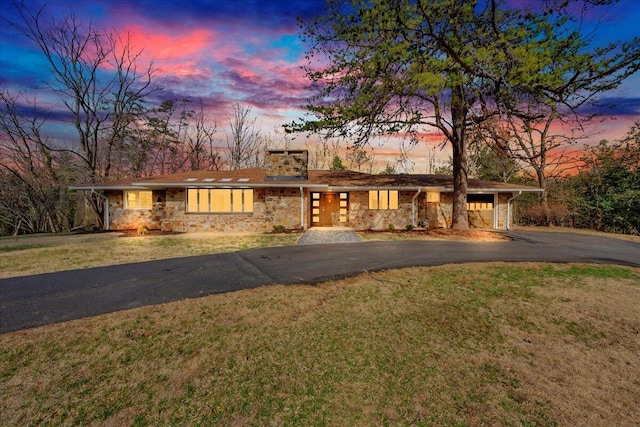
(392, 227)
(409, 227)
(143, 230)
(279, 229)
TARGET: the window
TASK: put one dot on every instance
(479, 202)
(138, 199)
(219, 200)
(383, 199)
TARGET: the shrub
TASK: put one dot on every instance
(409, 227)
(392, 227)
(279, 229)
(143, 230)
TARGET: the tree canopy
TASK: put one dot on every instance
(401, 66)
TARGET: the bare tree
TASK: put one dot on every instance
(361, 159)
(204, 154)
(33, 191)
(102, 105)
(245, 144)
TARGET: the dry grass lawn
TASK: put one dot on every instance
(463, 345)
(68, 252)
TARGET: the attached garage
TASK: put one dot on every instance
(480, 208)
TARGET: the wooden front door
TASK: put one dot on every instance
(328, 209)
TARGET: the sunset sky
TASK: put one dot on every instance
(247, 51)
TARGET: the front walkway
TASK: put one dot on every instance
(320, 235)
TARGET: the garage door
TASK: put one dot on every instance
(480, 210)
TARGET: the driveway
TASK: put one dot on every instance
(38, 300)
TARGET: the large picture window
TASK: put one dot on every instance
(219, 200)
(383, 199)
(138, 199)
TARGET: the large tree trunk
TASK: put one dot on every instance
(460, 219)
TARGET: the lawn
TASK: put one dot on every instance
(460, 345)
(69, 252)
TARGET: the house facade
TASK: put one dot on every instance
(285, 193)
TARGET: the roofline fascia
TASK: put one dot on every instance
(503, 190)
(381, 187)
(151, 186)
(227, 185)
(107, 187)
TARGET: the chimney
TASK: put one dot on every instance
(286, 165)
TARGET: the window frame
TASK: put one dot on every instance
(227, 197)
(125, 200)
(385, 203)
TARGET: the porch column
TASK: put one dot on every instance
(303, 224)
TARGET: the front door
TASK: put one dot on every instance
(328, 209)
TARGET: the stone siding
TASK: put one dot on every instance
(440, 215)
(132, 219)
(502, 209)
(271, 206)
(281, 206)
(287, 165)
(362, 218)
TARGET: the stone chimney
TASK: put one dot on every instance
(286, 165)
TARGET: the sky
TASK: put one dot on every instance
(222, 52)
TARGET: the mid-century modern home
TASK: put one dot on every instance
(285, 193)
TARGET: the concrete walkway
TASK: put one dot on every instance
(323, 235)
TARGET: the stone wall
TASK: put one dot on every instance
(361, 218)
(441, 214)
(132, 219)
(502, 209)
(271, 206)
(286, 165)
(281, 206)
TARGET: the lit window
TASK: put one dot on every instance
(383, 199)
(138, 199)
(219, 200)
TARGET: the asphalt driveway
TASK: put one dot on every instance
(43, 299)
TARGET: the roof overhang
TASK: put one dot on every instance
(321, 187)
(108, 187)
(501, 190)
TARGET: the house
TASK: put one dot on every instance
(285, 193)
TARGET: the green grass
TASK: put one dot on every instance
(447, 346)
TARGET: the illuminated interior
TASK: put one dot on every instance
(219, 200)
(138, 199)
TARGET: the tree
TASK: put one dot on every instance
(393, 67)
(34, 195)
(203, 154)
(538, 127)
(389, 169)
(336, 164)
(397, 66)
(360, 158)
(486, 163)
(103, 104)
(609, 185)
(245, 144)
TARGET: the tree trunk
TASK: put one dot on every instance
(460, 219)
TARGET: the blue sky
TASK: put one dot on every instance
(247, 51)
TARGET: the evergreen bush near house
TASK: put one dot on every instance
(279, 229)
